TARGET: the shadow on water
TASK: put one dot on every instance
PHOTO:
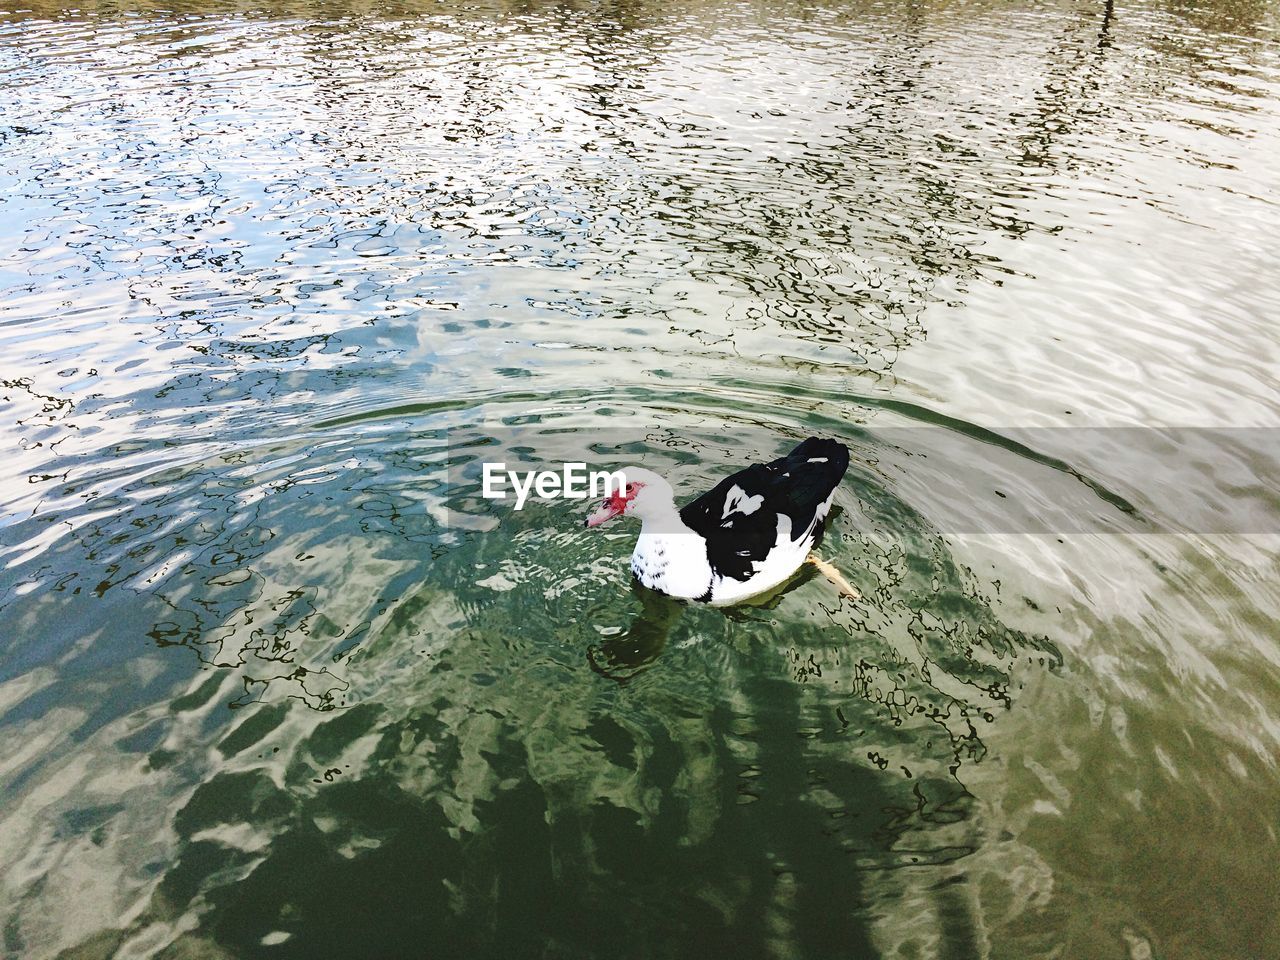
(626, 654)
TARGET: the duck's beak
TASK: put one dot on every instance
(605, 512)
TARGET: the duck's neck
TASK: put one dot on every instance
(662, 519)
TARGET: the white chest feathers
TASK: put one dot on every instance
(673, 563)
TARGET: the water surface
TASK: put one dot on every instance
(274, 682)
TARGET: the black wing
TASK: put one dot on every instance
(795, 485)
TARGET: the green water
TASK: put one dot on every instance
(276, 682)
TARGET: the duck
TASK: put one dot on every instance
(746, 536)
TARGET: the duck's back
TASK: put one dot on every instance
(767, 517)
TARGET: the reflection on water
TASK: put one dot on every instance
(266, 271)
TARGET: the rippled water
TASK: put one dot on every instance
(273, 682)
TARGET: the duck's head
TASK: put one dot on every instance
(645, 495)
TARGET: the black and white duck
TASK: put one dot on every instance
(747, 535)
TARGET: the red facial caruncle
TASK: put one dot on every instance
(615, 506)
